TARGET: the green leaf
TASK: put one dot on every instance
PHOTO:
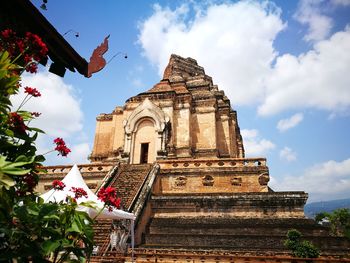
(90, 204)
(9, 133)
(50, 246)
(36, 130)
(6, 181)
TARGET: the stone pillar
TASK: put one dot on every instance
(183, 129)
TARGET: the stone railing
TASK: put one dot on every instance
(83, 168)
(203, 163)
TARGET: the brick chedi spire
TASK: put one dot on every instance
(182, 67)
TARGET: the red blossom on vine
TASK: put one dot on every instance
(108, 195)
(32, 91)
(30, 48)
(32, 67)
(58, 185)
(61, 147)
(26, 183)
(79, 192)
(16, 123)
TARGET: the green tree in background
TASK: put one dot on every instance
(339, 221)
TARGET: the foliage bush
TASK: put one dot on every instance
(339, 221)
(31, 230)
(300, 248)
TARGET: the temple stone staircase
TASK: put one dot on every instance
(128, 181)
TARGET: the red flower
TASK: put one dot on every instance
(32, 91)
(37, 45)
(61, 147)
(109, 197)
(78, 192)
(16, 122)
(36, 114)
(31, 47)
(32, 67)
(26, 183)
(59, 141)
(8, 33)
(58, 185)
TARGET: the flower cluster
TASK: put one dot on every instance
(58, 185)
(26, 183)
(35, 114)
(36, 45)
(78, 192)
(61, 147)
(31, 48)
(16, 123)
(108, 195)
(32, 91)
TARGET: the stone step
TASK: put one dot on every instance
(128, 181)
(235, 226)
(237, 242)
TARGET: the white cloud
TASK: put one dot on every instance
(254, 145)
(286, 124)
(317, 79)
(311, 14)
(79, 154)
(61, 116)
(232, 41)
(240, 38)
(61, 113)
(287, 154)
(341, 2)
(324, 181)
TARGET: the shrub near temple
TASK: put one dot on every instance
(300, 248)
(31, 230)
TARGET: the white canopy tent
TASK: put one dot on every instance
(74, 179)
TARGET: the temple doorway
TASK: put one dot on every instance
(144, 153)
(144, 139)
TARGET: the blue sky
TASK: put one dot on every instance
(283, 64)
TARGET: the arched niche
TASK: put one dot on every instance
(142, 117)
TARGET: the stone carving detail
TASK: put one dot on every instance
(208, 180)
(264, 178)
(104, 117)
(180, 181)
(221, 163)
(236, 181)
(147, 110)
(120, 232)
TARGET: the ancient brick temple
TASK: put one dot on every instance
(176, 156)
